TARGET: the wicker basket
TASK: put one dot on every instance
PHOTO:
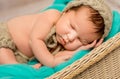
(102, 62)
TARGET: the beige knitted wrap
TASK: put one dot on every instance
(98, 5)
(51, 42)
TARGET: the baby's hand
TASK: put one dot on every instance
(88, 46)
(99, 42)
(37, 66)
(63, 56)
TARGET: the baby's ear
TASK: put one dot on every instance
(100, 41)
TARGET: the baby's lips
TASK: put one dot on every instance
(65, 38)
(62, 41)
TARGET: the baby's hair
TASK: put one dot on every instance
(95, 17)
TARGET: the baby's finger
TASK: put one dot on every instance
(92, 44)
(67, 57)
(37, 66)
(99, 42)
(89, 45)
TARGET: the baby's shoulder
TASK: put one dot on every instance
(51, 15)
(52, 12)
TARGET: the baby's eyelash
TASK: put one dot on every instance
(85, 42)
(72, 26)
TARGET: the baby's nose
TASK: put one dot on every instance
(72, 37)
(66, 39)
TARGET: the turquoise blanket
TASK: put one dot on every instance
(25, 71)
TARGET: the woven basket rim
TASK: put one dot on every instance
(93, 57)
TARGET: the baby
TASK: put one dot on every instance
(80, 26)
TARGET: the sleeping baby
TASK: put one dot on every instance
(53, 37)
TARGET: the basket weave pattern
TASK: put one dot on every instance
(76, 68)
(107, 68)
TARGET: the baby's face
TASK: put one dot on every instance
(74, 29)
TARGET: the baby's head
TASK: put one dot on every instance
(83, 22)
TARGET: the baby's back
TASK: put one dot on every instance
(20, 28)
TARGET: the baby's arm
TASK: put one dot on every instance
(66, 55)
(42, 27)
(63, 56)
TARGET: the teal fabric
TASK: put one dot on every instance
(25, 71)
(115, 25)
(58, 5)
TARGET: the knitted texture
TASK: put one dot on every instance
(98, 5)
(51, 42)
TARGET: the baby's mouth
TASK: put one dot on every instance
(61, 40)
